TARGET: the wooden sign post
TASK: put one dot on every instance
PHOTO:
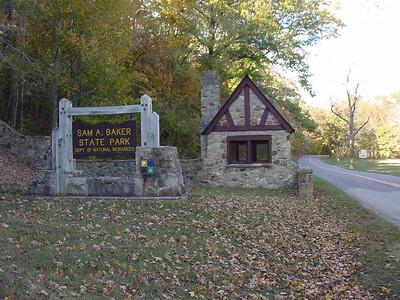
(62, 136)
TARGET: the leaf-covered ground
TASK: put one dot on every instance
(215, 245)
(14, 174)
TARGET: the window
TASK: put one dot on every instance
(249, 149)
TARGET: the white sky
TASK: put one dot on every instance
(369, 45)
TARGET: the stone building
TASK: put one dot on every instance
(246, 141)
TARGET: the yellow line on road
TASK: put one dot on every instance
(356, 175)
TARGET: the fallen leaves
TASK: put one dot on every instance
(221, 247)
(13, 172)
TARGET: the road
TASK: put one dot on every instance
(378, 192)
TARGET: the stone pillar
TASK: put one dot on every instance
(210, 97)
(305, 182)
(164, 177)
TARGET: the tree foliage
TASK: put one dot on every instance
(98, 52)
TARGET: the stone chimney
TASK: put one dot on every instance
(210, 97)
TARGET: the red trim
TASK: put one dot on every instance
(264, 117)
(249, 84)
(229, 118)
(246, 105)
(270, 106)
(248, 128)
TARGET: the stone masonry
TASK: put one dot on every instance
(167, 180)
(32, 150)
(210, 97)
(280, 173)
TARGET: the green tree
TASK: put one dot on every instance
(388, 142)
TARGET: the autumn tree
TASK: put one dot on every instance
(111, 52)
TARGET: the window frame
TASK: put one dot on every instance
(250, 140)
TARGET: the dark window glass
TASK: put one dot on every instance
(259, 150)
(238, 152)
(242, 151)
(249, 149)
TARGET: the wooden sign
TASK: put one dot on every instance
(104, 140)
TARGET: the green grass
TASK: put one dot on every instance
(379, 240)
(221, 242)
(384, 166)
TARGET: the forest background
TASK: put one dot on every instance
(100, 52)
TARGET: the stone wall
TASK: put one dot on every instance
(44, 183)
(77, 184)
(32, 150)
(280, 173)
(191, 171)
(99, 168)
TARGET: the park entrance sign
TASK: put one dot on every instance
(121, 139)
(104, 140)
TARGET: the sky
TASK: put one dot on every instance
(369, 46)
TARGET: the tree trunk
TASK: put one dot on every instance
(54, 84)
(18, 37)
(337, 153)
(10, 35)
(351, 138)
(13, 98)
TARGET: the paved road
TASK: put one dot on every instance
(378, 192)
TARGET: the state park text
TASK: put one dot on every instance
(104, 139)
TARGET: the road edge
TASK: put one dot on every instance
(379, 241)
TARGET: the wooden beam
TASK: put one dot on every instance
(64, 159)
(145, 117)
(154, 130)
(104, 110)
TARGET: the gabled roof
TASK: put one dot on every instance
(245, 86)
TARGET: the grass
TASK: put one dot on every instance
(221, 243)
(384, 166)
(379, 240)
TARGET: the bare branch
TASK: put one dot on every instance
(16, 50)
(361, 127)
(348, 98)
(337, 114)
(356, 97)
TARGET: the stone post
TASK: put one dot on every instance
(165, 178)
(210, 97)
(305, 182)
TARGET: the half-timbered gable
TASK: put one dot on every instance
(246, 141)
(248, 109)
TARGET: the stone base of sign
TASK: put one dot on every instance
(167, 180)
(44, 184)
(105, 168)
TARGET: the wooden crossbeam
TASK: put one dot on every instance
(104, 110)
